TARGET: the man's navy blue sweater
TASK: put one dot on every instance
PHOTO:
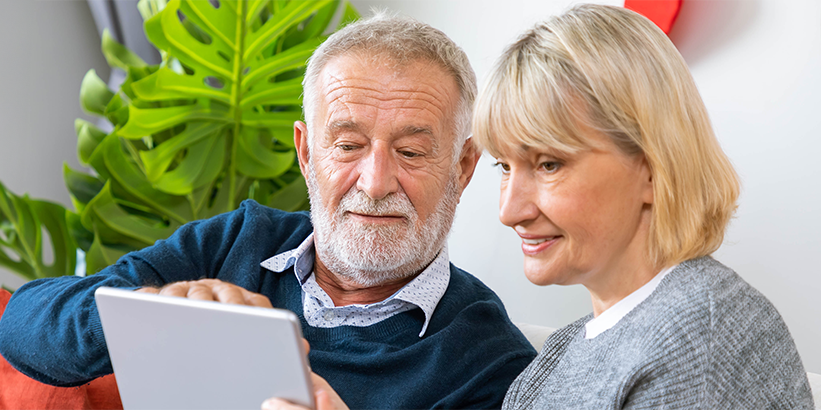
(468, 357)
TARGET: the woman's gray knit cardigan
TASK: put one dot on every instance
(703, 339)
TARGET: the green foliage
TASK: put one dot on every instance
(192, 137)
(22, 223)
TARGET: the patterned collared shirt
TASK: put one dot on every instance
(424, 291)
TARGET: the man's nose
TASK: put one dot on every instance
(378, 173)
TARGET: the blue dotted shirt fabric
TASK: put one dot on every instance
(423, 292)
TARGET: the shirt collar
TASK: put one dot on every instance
(424, 291)
(613, 315)
(427, 289)
(302, 256)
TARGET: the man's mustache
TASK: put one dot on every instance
(395, 204)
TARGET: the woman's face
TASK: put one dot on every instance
(579, 215)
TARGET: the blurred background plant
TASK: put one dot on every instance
(191, 137)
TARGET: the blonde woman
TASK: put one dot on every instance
(612, 177)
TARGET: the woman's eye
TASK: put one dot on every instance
(502, 167)
(550, 166)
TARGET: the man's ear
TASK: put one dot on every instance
(301, 145)
(467, 163)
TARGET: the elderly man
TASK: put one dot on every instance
(391, 323)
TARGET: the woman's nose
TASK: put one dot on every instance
(516, 200)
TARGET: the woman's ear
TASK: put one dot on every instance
(646, 173)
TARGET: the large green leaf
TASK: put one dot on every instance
(22, 223)
(291, 197)
(100, 255)
(104, 211)
(230, 59)
(89, 138)
(209, 127)
(82, 187)
(117, 55)
(190, 138)
(94, 93)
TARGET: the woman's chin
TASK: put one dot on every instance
(541, 274)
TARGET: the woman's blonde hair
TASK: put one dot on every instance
(612, 70)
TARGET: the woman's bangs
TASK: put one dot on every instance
(516, 115)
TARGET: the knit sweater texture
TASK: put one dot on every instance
(468, 357)
(703, 339)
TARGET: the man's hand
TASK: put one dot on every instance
(324, 395)
(213, 290)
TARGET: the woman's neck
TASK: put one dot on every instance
(623, 275)
(615, 286)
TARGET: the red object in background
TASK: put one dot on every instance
(661, 12)
(18, 391)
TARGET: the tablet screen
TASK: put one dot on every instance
(176, 353)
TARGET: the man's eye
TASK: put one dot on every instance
(346, 147)
(409, 154)
(502, 167)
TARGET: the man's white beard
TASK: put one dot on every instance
(371, 254)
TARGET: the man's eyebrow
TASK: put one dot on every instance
(344, 125)
(415, 129)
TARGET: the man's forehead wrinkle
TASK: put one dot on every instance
(331, 126)
(432, 92)
(339, 105)
(406, 96)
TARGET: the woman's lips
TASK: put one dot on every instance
(534, 245)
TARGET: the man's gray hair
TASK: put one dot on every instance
(402, 40)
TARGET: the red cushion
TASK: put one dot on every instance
(661, 12)
(18, 391)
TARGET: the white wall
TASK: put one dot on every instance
(758, 66)
(45, 49)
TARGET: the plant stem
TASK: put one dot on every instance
(236, 98)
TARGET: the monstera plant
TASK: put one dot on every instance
(191, 137)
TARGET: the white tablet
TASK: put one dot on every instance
(176, 353)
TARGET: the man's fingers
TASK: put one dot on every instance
(228, 293)
(325, 396)
(212, 290)
(279, 404)
(324, 401)
(255, 299)
(319, 383)
(201, 291)
(178, 289)
(155, 291)
(306, 345)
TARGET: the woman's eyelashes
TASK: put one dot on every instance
(503, 168)
(550, 167)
